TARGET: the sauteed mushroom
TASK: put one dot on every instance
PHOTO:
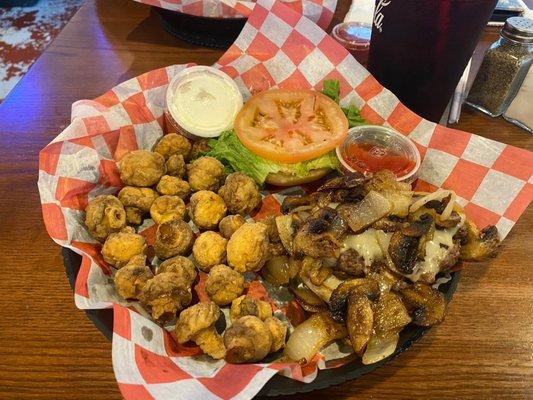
(338, 302)
(425, 304)
(480, 244)
(320, 235)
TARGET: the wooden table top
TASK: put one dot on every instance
(50, 350)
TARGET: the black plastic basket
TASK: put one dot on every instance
(218, 33)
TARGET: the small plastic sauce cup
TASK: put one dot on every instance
(355, 37)
(202, 102)
(370, 148)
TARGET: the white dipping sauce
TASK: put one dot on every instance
(203, 101)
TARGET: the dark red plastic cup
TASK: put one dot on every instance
(420, 48)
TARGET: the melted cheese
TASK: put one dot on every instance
(366, 244)
(435, 254)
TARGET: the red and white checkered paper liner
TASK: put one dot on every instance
(278, 47)
(319, 11)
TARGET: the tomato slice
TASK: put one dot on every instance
(289, 126)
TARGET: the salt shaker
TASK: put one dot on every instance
(504, 67)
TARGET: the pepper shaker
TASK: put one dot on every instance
(520, 111)
(504, 67)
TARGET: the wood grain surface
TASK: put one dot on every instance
(50, 350)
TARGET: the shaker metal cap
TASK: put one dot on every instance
(519, 29)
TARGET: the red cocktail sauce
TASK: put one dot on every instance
(370, 158)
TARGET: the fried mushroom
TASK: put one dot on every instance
(278, 332)
(248, 247)
(209, 249)
(199, 148)
(140, 198)
(167, 208)
(176, 165)
(173, 144)
(223, 284)
(197, 323)
(173, 238)
(134, 216)
(181, 266)
(229, 224)
(205, 173)
(206, 209)
(247, 340)
(240, 193)
(104, 215)
(131, 279)
(141, 168)
(247, 305)
(120, 247)
(164, 296)
(173, 186)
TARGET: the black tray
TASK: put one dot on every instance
(219, 33)
(278, 385)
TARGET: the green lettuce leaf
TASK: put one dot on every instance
(354, 116)
(332, 89)
(231, 152)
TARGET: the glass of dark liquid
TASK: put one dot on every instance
(420, 48)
